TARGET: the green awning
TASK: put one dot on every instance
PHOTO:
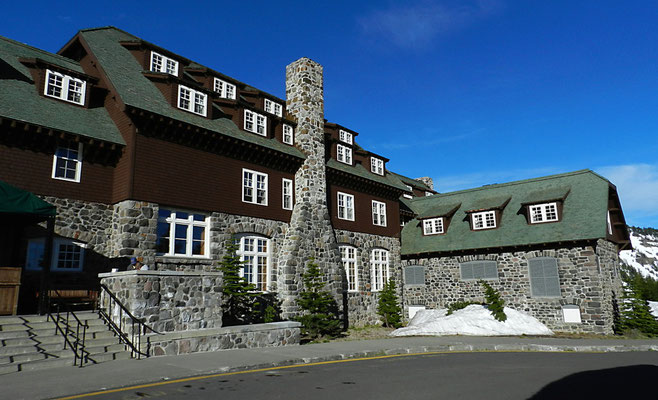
(17, 201)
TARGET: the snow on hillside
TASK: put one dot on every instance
(653, 305)
(474, 320)
(644, 256)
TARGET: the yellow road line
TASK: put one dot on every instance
(196, 378)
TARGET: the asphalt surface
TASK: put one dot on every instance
(65, 381)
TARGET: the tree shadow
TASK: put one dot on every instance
(631, 382)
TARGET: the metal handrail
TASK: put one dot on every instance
(135, 339)
(78, 346)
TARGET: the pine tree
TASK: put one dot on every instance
(636, 314)
(495, 304)
(388, 307)
(238, 295)
(321, 318)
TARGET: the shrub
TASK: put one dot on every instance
(495, 304)
(320, 318)
(240, 302)
(388, 307)
(458, 305)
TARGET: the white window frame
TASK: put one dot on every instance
(255, 123)
(273, 107)
(433, 226)
(344, 154)
(288, 134)
(608, 221)
(487, 219)
(540, 213)
(377, 165)
(378, 213)
(428, 193)
(409, 195)
(345, 137)
(36, 251)
(379, 262)
(190, 223)
(195, 98)
(348, 256)
(224, 89)
(287, 190)
(345, 206)
(68, 86)
(164, 64)
(250, 187)
(251, 255)
(77, 162)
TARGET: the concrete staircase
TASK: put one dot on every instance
(30, 343)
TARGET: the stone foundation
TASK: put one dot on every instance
(272, 334)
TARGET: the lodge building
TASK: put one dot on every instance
(148, 154)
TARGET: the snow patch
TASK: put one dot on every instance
(653, 305)
(645, 247)
(474, 320)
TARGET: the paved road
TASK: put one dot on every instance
(431, 376)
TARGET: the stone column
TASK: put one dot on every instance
(134, 230)
(310, 234)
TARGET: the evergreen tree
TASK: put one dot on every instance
(636, 314)
(320, 318)
(495, 304)
(239, 297)
(388, 307)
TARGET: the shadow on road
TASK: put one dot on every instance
(623, 382)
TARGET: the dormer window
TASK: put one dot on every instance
(345, 137)
(344, 154)
(65, 87)
(160, 63)
(273, 108)
(288, 137)
(428, 194)
(483, 220)
(254, 122)
(433, 226)
(540, 213)
(225, 89)
(410, 194)
(192, 100)
(377, 165)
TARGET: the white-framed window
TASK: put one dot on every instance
(345, 136)
(254, 252)
(288, 134)
(345, 206)
(273, 107)
(160, 63)
(67, 255)
(377, 165)
(378, 213)
(379, 265)
(409, 195)
(67, 163)
(433, 226)
(254, 122)
(226, 90)
(476, 270)
(348, 258)
(544, 277)
(287, 190)
(344, 154)
(192, 100)
(182, 233)
(540, 213)
(65, 87)
(428, 194)
(254, 187)
(483, 220)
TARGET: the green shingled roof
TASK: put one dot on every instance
(360, 171)
(21, 100)
(136, 90)
(411, 182)
(583, 218)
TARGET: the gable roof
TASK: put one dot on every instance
(584, 216)
(412, 182)
(136, 90)
(22, 101)
(360, 171)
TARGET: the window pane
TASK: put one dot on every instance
(163, 213)
(180, 231)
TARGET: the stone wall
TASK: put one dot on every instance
(168, 301)
(134, 230)
(272, 334)
(362, 305)
(586, 281)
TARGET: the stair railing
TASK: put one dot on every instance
(110, 305)
(78, 343)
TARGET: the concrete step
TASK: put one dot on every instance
(33, 340)
(15, 350)
(108, 356)
(25, 326)
(20, 358)
(95, 350)
(45, 364)
(14, 319)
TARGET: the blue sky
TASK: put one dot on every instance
(466, 92)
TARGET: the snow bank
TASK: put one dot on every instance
(474, 320)
(653, 305)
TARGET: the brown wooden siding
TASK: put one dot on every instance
(363, 213)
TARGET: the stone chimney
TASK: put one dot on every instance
(310, 234)
(427, 181)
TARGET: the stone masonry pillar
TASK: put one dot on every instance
(310, 234)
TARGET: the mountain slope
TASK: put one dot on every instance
(644, 256)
